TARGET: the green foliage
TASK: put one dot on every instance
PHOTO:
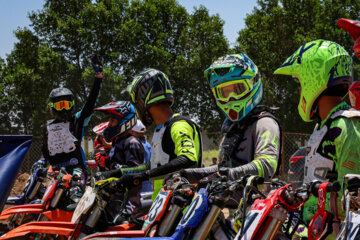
(275, 29)
(130, 35)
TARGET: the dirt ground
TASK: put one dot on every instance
(17, 188)
(19, 184)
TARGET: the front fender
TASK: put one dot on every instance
(55, 228)
(28, 208)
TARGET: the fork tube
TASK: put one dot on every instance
(34, 191)
(205, 226)
(169, 220)
(57, 197)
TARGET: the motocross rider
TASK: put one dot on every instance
(176, 142)
(250, 145)
(127, 150)
(324, 71)
(62, 136)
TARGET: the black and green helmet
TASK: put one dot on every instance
(149, 87)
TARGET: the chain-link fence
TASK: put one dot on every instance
(291, 142)
(32, 155)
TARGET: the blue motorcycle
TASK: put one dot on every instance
(203, 217)
(34, 189)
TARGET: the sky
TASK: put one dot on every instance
(14, 14)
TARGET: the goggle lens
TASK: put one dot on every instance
(60, 105)
(235, 90)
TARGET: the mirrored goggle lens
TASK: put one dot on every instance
(63, 105)
(233, 89)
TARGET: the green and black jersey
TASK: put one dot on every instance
(175, 145)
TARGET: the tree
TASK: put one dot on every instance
(275, 29)
(130, 36)
(32, 70)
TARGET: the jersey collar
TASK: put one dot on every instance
(340, 106)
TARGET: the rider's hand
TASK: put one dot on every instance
(204, 181)
(131, 180)
(101, 158)
(97, 65)
(104, 175)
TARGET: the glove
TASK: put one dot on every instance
(96, 64)
(181, 173)
(206, 180)
(132, 180)
(101, 158)
(108, 174)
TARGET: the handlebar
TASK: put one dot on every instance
(331, 187)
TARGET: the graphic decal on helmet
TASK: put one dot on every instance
(124, 112)
(318, 65)
(236, 84)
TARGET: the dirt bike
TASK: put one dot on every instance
(92, 206)
(33, 189)
(204, 211)
(351, 225)
(18, 215)
(266, 218)
(164, 214)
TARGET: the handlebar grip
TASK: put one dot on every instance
(259, 180)
(331, 187)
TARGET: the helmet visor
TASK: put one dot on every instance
(233, 89)
(60, 105)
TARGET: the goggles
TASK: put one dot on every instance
(60, 105)
(233, 89)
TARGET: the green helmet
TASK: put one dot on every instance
(149, 87)
(318, 65)
(236, 84)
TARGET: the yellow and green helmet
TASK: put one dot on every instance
(317, 65)
(149, 87)
(236, 84)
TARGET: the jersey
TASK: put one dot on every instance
(249, 147)
(126, 152)
(62, 140)
(340, 144)
(255, 142)
(175, 145)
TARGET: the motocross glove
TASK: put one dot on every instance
(131, 180)
(96, 64)
(109, 174)
(101, 158)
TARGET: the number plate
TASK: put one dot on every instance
(84, 204)
(196, 210)
(251, 222)
(157, 208)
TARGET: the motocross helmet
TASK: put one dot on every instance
(353, 28)
(124, 112)
(236, 84)
(149, 87)
(318, 66)
(61, 103)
